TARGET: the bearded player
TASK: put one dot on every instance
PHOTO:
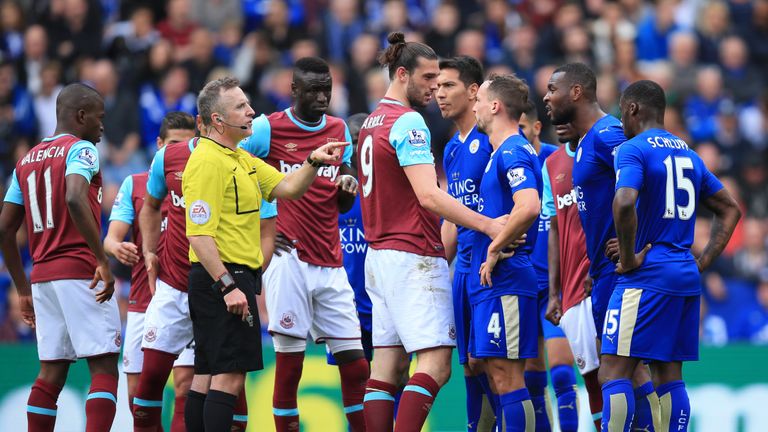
(307, 288)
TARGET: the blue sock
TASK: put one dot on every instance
(675, 406)
(398, 395)
(643, 415)
(536, 383)
(619, 399)
(518, 410)
(474, 401)
(564, 382)
(493, 398)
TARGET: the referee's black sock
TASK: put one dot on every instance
(219, 408)
(193, 411)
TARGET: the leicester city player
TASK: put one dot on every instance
(558, 352)
(504, 304)
(464, 160)
(572, 98)
(653, 314)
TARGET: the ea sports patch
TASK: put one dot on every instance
(417, 138)
(474, 146)
(199, 212)
(515, 176)
(87, 157)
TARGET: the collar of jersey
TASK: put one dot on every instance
(220, 147)
(392, 101)
(302, 125)
(57, 137)
(568, 150)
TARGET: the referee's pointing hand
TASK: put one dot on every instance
(237, 303)
(330, 152)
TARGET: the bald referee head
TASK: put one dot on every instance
(79, 111)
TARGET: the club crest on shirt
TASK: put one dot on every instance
(452, 331)
(474, 146)
(417, 138)
(199, 212)
(288, 320)
(151, 335)
(580, 362)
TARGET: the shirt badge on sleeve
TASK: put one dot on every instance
(515, 176)
(199, 212)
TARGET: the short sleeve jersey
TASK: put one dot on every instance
(464, 162)
(393, 137)
(284, 142)
(225, 188)
(670, 179)
(38, 183)
(164, 183)
(559, 199)
(593, 180)
(539, 254)
(513, 167)
(355, 248)
(126, 209)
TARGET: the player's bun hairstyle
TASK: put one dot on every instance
(176, 120)
(400, 53)
(648, 95)
(470, 70)
(580, 74)
(311, 65)
(512, 92)
(208, 100)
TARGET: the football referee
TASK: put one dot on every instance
(223, 186)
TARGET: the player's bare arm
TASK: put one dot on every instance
(522, 216)
(296, 183)
(150, 220)
(11, 219)
(126, 252)
(449, 235)
(554, 306)
(423, 180)
(268, 232)
(727, 215)
(80, 211)
(208, 254)
(625, 219)
(347, 185)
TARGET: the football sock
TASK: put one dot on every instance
(101, 404)
(618, 406)
(595, 397)
(148, 402)
(354, 376)
(518, 411)
(177, 423)
(474, 401)
(193, 411)
(288, 367)
(41, 406)
(218, 411)
(379, 406)
(564, 382)
(418, 396)
(536, 383)
(647, 413)
(675, 406)
(240, 416)
(491, 411)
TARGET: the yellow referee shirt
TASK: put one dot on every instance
(223, 189)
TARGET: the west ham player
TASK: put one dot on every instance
(504, 297)
(56, 190)
(572, 98)
(405, 270)
(558, 353)
(465, 158)
(570, 306)
(177, 127)
(167, 325)
(653, 313)
(307, 289)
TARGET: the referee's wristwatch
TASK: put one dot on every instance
(225, 284)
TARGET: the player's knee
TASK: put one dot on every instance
(563, 376)
(559, 352)
(288, 344)
(345, 351)
(54, 373)
(103, 365)
(182, 380)
(474, 367)
(614, 367)
(437, 364)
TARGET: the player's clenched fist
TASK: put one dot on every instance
(347, 183)
(237, 303)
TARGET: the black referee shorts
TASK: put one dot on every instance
(223, 341)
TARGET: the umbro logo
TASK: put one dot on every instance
(291, 147)
(178, 175)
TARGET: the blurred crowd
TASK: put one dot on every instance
(151, 57)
